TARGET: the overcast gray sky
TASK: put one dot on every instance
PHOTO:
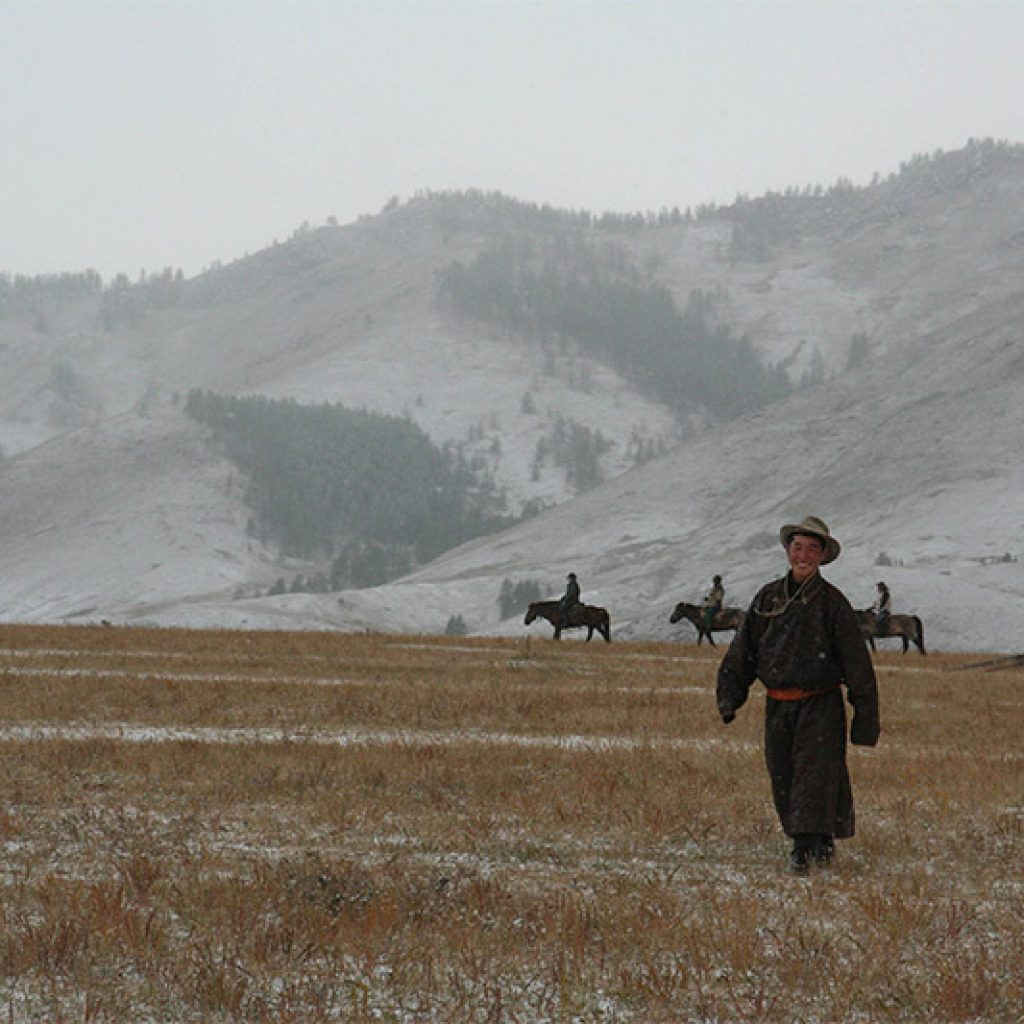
(141, 134)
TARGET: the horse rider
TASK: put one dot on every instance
(882, 606)
(713, 601)
(570, 599)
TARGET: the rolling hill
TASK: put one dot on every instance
(894, 310)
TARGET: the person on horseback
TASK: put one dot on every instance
(570, 599)
(713, 601)
(882, 607)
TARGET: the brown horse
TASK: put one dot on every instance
(589, 615)
(724, 618)
(907, 627)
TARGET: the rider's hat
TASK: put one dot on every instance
(571, 576)
(812, 526)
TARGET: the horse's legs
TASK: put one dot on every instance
(906, 643)
(558, 633)
(590, 633)
(711, 639)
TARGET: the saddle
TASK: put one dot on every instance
(573, 616)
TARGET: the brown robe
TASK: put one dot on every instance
(805, 638)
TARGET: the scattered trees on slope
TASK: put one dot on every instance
(597, 298)
(514, 598)
(367, 488)
(576, 449)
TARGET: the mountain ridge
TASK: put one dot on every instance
(908, 451)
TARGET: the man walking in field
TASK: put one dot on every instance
(800, 637)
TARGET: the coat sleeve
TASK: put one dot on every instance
(859, 675)
(738, 669)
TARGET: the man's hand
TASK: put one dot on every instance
(862, 732)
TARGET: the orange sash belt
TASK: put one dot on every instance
(798, 694)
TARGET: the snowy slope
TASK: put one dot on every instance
(914, 458)
(112, 520)
(114, 505)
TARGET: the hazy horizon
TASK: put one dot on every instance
(147, 135)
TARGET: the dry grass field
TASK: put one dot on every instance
(228, 826)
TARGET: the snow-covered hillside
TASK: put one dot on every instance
(113, 504)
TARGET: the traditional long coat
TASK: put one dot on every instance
(803, 642)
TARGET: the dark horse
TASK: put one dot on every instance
(907, 627)
(588, 615)
(724, 618)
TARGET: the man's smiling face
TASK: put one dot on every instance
(805, 553)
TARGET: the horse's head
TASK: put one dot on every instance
(680, 611)
(531, 614)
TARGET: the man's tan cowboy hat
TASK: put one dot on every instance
(813, 527)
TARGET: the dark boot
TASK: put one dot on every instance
(823, 851)
(811, 849)
(802, 853)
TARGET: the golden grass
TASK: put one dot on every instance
(228, 826)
